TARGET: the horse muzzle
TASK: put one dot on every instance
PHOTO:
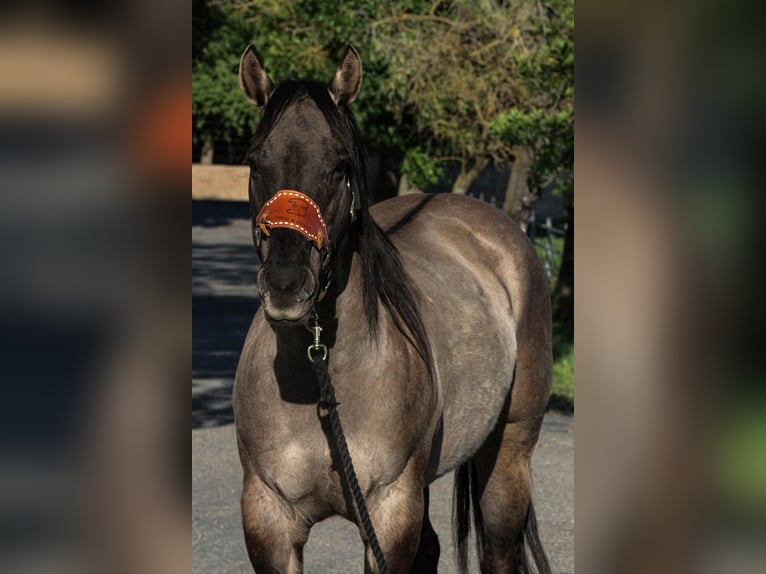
(287, 295)
(288, 289)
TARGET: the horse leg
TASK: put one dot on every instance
(397, 512)
(506, 514)
(502, 465)
(427, 557)
(274, 534)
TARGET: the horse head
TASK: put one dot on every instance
(306, 166)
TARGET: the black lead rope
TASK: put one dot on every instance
(317, 354)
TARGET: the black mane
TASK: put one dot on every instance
(384, 276)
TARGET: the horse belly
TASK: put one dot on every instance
(474, 344)
(474, 400)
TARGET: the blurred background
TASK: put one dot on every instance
(94, 304)
(671, 432)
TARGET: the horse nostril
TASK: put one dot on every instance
(261, 284)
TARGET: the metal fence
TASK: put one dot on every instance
(541, 234)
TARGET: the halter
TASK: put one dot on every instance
(294, 210)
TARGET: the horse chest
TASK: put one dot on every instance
(289, 447)
(301, 468)
(295, 469)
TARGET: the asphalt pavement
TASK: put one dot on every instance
(223, 303)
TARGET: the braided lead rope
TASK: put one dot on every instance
(327, 401)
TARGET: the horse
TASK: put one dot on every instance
(435, 316)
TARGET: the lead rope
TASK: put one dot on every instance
(317, 353)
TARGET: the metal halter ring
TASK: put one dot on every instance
(316, 348)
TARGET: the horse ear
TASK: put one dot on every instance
(347, 81)
(253, 79)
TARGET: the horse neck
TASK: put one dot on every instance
(345, 290)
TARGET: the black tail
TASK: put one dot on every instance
(465, 499)
(533, 544)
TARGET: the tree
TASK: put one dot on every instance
(562, 299)
(445, 81)
(304, 39)
(219, 112)
(544, 135)
(541, 129)
(478, 81)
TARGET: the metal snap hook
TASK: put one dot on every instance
(316, 346)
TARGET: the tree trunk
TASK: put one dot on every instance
(563, 294)
(405, 187)
(206, 154)
(466, 178)
(519, 198)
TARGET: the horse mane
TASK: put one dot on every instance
(383, 275)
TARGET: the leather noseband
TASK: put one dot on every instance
(293, 210)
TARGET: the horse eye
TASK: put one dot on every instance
(343, 168)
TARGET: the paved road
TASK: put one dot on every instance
(223, 273)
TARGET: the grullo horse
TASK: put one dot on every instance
(435, 313)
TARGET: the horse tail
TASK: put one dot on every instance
(465, 499)
(466, 511)
(531, 541)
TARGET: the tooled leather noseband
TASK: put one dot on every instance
(293, 210)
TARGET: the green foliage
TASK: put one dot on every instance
(562, 395)
(444, 81)
(545, 122)
(563, 381)
(549, 134)
(421, 168)
(298, 39)
(219, 111)
(477, 79)
(449, 74)
(739, 465)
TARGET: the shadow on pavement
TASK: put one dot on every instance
(224, 300)
(219, 327)
(212, 213)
